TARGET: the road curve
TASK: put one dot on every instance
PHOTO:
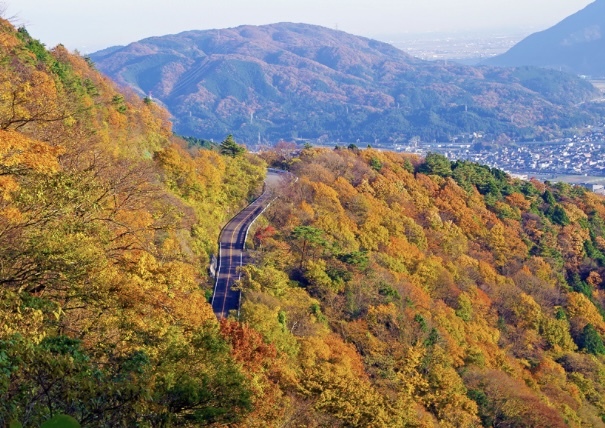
(232, 247)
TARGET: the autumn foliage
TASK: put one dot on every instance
(107, 222)
(385, 290)
(424, 292)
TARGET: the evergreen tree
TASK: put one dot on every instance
(230, 148)
(591, 341)
(436, 164)
(548, 197)
(375, 164)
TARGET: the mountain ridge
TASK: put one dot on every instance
(292, 80)
(576, 44)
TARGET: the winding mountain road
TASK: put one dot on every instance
(232, 246)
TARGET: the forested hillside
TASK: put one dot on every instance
(405, 292)
(286, 81)
(385, 290)
(106, 226)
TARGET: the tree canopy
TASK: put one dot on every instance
(385, 289)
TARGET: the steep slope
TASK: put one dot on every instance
(295, 80)
(467, 298)
(576, 44)
(106, 225)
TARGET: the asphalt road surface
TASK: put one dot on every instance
(231, 243)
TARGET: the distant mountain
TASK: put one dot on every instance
(576, 44)
(302, 81)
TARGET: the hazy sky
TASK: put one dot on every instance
(89, 25)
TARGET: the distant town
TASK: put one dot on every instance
(469, 48)
(579, 159)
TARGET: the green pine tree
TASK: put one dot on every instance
(230, 148)
(591, 341)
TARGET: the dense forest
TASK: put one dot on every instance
(106, 226)
(385, 290)
(400, 291)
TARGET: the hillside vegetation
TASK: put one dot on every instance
(106, 225)
(286, 81)
(409, 292)
(385, 290)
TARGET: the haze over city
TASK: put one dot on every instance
(92, 25)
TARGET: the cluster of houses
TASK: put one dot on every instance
(577, 156)
(569, 158)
